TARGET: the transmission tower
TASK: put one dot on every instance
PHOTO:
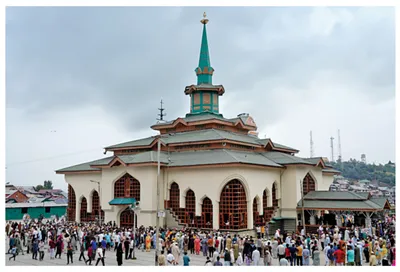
(311, 146)
(161, 114)
(339, 148)
(332, 148)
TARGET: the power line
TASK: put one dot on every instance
(50, 158)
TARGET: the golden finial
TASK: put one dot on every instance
(204, 21)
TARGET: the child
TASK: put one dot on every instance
(13, 252)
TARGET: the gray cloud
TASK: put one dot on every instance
(274, 63)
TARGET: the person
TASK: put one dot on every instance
(170, 258)
(315, 255)
(82, 255)
(267, 258)
(283, 262)
(227, 258)
(69, 253)
(176, 252)
(306, 256)
(357, 254)
(186, 259)
(299, 255)
(148, 242)
(339, 254)
(372, 259)
(161, 259)
(281, 251)
(119, 254)
(100, 256)
(131, 245)
(13, 252)
(218, 263)
(89, 254)
(59, 247)
(41, 250)
(350, 256)
(255, 256)
(330, 256)
(126, 245)
(208, 262)
(35, 247)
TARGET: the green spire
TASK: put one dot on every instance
(204, 71)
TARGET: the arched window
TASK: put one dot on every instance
(96, 207)
(256, 214)
(274, 193)
(308, 184)
(233, 206)
(206, 220)
(126, 219)
(190, 207)
(265, 200)
(71, 213)
(174, 196)
(84, 215)
(127, 187)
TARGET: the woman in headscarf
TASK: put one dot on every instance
(267, 258)
(239, 260)
(197, 245)
(148, 242)
(119, 254)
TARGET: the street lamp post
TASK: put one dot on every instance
(135, 210)
(302, 207)
(98, 188)
(158, 199)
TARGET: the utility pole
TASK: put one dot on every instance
(303, 219)
(311, 146)
(158, 199)
(332, 148)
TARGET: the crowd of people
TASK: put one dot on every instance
(351, 246)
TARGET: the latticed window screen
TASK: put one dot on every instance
(256, 214)
(206, 214)
(233, 206)
(190, 206)
(127, 187)
(308, 184)
(274, 200)
(84, 215)
(71, 204)
(174, 195)
(126, 219)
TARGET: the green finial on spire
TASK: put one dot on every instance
(204, 71)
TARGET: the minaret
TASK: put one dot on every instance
(204, 71)
(204, 97)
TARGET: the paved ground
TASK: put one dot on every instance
(143, 259)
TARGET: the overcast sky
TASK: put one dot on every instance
(95, 76)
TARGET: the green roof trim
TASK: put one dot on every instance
(86, 166)
(140, 142)
(283, 158)
(330, 170)
(122, 201)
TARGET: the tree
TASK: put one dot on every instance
(48, 184)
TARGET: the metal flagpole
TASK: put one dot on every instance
(134, 234)
(158, 199)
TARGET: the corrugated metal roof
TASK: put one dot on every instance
(328, 195)
(283, 158)
(340, 204)
(31, 205)
(139, 142)
(86, 166)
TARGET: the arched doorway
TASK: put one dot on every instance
(206, 214)
(71, 212)
(308, 184)
(174, 196)
(96, 207)
(84, 213)
(190, 208)
(274, 195)
(256, 214)
(126, 219)
(233, 206)
(266, 210)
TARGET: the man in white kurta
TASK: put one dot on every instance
(256, 257)
(176, 252)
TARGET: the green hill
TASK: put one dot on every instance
(356, 170)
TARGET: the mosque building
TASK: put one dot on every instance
(215, 172)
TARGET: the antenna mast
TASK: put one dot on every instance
(161, 114)
(339, 148)
(311, 146)
(332, 147)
